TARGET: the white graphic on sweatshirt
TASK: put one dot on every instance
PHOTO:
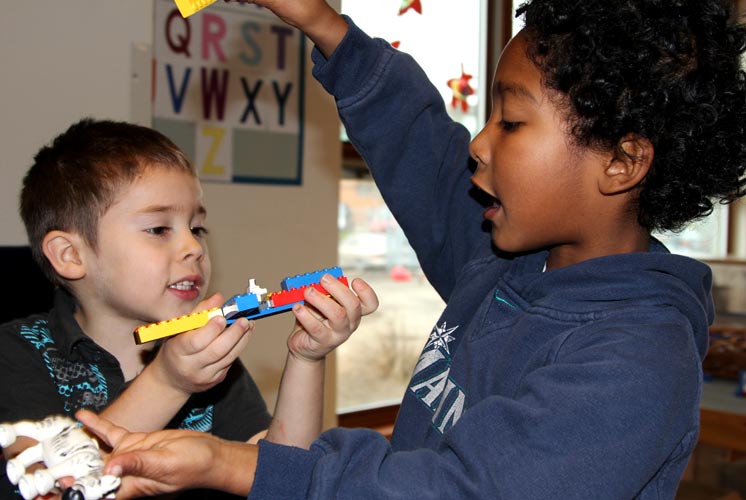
(440, 337)
(431, 383)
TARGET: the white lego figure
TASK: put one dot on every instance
(65, 450)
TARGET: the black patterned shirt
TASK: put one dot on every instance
(49, 366)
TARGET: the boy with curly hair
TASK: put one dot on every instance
(567, 362)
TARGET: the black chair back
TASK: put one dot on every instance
(29, 291)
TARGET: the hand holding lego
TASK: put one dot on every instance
(199, 359)
(255, 303)
(330, 320)
(315, 18)
(297, 13)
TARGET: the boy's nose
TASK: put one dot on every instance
(193, 246)
(478, 149)
(480, 154)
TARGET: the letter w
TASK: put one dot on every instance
(215, 89)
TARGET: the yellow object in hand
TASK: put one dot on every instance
(189, 7)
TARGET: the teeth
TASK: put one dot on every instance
(183, 285)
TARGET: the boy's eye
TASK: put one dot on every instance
(199, 231)
(509, 126)
(158, 231)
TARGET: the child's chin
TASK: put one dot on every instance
(506, 246)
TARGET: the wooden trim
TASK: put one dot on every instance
(349, 152)
(730, 241)
(507, 22)
(734, 261)
(724, 430)
(381, 419)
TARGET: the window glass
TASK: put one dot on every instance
(704, 239)
(374, 366)
(447, 39)
(516, 23)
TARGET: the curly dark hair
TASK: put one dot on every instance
(668, 70)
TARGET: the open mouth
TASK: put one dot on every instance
(186, 289)
(491, 204)
(183, 285)
(485, 199)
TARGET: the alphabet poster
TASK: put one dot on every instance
(228, 89)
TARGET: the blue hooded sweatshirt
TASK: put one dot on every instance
(580, 382)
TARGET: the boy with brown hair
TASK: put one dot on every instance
(116, 220)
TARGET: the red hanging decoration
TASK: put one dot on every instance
(461, 90)
(410, 4)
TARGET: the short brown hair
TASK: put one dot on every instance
(75, 179)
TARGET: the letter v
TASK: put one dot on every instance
(177, 99)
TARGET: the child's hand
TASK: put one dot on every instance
(315, 18)
(199, 359)
(324, 323)
(298, 13)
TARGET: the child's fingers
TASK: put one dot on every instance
(327, 321)
(321, 323)
(307, 316)
(105, 430)
(64, 482)
(342, 294)
(229, 345)
(363, 295)
(196, 340)
(199, 339)
(366, 294)
(211, 302)
(344, 308)
(340, 308)
(211, 343)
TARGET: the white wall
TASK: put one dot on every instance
(66, 60)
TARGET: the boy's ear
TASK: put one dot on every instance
(63, 250)
(628, 166)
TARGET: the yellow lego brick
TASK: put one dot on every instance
(189, 7)
(169, 327)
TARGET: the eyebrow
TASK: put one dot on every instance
(516, 89)
(151, 209)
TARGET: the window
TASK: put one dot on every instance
(447, 39)
(516, 24)
(703, 239)
(374, 366)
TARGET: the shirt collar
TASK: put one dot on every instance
(65, 328)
